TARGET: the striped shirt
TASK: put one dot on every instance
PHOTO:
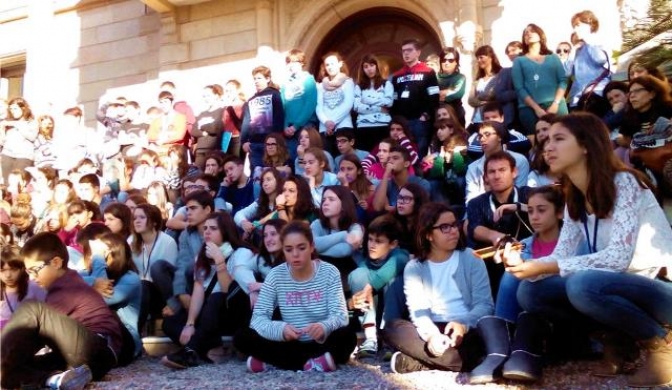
(318, 300)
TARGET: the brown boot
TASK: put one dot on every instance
(619, 349)
(657, 370)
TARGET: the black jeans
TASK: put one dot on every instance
(34, 325)
(156, 293)
(292, 355)
(221, 314)
(403, 336)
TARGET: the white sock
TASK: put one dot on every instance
(370, 332)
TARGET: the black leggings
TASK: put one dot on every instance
(292, 355)
(221, 314)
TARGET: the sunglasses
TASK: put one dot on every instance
(558, 51)
(449, 60)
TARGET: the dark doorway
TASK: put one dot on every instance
(379, 31)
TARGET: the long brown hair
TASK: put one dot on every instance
(120, 252)
(11, 256)
(348, 211)
(361, 186)
(264, 201)
(154, 220)
(229, 232)
(282, 153)
(603, 165)
(363, 80)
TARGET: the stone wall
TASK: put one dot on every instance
(110, 48)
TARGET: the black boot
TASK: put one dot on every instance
(525, 362)
(495, 334)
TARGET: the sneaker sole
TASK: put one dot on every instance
(171, 364)
(481, 379)
(330, 361)
(76, 379)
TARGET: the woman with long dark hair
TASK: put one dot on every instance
(614, 217)
(261, 210)
(118, 217)
(269, 256)
(15, 284)
(373, 100)
(483, 87)
(296, 201)
(218, 289)
(539, 79)
(124, 294)
(411, 197)
(336, 233)
(154, 254)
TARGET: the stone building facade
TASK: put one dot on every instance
(65, 52)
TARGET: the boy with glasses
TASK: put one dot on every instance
(345, 142)
(84, 335)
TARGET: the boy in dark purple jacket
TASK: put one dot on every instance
(85, 337)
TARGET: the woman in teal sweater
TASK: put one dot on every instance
(539, 79)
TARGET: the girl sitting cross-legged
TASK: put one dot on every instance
(447, 290)
(313, 334)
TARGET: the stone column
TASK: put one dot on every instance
(265, 23)
(469, 37)
(40, 53)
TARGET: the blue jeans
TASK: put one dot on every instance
(292, 145)
(547, 297)
(633, 304)
(256, 155)
(507, 306)
(421, 130)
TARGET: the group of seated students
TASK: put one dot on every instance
(485, 250)
(284, 277)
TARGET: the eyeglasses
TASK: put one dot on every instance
(34, 271)
(487, 134)
(271, 144)
(558, 51)
(342, 141)
(449, 60)
(636, 90)
(405, 199)
(447, 227)
(195, 187)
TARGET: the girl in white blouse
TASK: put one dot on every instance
(613, 213)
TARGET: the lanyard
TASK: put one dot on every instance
(9, 303)
(592, 246)
(145, 260)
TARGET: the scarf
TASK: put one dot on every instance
(330, 85)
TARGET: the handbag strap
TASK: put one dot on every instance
(590, 87)
(211, 286)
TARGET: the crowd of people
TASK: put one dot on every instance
(531, 231)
